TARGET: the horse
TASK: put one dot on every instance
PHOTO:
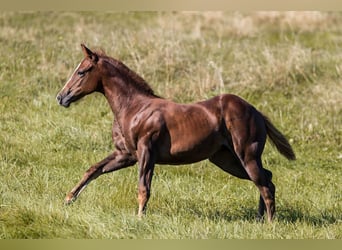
(149, 130)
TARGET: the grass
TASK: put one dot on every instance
(288, 64)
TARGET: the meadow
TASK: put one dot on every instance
(287, 64)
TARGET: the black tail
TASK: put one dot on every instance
(279, 140)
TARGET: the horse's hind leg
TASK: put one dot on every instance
(113, 162)
(230, 163)
(261, 179)
(248, 138)
(262, 206)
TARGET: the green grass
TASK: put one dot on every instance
(288, 65)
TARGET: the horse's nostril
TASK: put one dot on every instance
(59, 98)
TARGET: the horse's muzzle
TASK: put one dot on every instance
(63, 101)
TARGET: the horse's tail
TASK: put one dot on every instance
(279, 140)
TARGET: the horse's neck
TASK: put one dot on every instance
(122, 97)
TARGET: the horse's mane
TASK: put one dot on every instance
(139, 82)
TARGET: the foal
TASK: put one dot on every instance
(150, 130)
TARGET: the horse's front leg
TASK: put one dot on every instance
(146, 167)
(113, 162)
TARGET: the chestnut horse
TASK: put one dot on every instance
(150, 130)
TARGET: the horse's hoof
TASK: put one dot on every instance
(260, 218)
(69, 199)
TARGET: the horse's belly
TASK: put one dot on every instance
(189, 150)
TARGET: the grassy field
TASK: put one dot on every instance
(287, 64)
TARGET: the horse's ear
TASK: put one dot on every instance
(88, 53)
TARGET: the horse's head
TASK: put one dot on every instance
(83, 81)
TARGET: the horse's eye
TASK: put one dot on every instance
(81, 73)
